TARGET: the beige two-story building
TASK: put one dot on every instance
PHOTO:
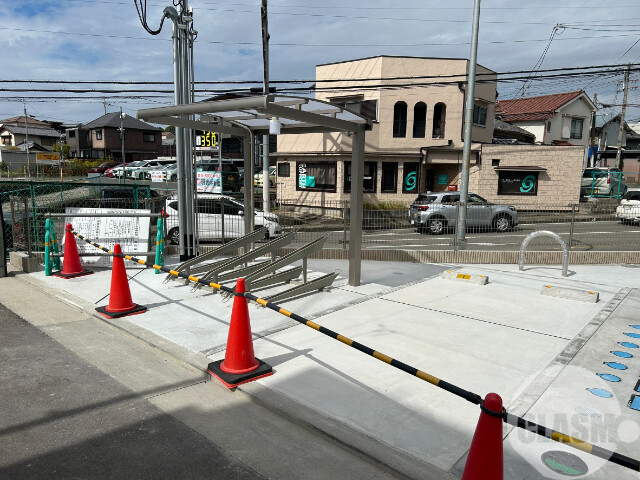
(417, 109)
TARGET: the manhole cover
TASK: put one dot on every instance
(564, 463)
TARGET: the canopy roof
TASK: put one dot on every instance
(296, 115)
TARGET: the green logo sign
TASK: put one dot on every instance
(528, 183)
(410, 181)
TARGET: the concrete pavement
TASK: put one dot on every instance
(503, 337)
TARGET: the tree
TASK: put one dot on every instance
(65, 149)
(171, 129)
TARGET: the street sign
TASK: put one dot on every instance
(47, 158)
(156, 175)
(206, 141)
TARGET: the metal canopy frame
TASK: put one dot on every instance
(251, 115)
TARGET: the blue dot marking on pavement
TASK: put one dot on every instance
(616, 365)
(637, 389)
(634, 403)
(621, 354)
(598, 392)
(628, 344)
(633, 335)
(635, 326)
(608, 377)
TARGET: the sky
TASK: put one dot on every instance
(104, 40)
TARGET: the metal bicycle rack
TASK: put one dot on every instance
(546, 233)
(189, 267)
(244, 259)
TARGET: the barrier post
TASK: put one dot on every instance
(160, 245)
(47, 254)
(54, 244)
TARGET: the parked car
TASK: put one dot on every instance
(231, 177)
(629, 209)
(603, 182)
(138, 171)
(209, 209)
(258, 180)
(109, 172)
(103, 167)
(169, 172)
(120, 171)
(435, 212)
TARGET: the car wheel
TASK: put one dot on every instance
(174, 236)
(437, 225)
(501, 223)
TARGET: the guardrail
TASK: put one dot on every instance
(469, 396)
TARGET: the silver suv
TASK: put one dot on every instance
(435, 212)
(603, 182)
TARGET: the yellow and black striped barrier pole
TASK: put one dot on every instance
(474, 398)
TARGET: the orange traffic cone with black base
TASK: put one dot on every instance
(120, 303)
(485, 459)
(71, 266)
(239, 365)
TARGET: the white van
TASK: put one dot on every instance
(210, 224)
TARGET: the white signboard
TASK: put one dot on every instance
(156, 175)
(302, 175)
(132, 233)
(47, 158)
(209, 182)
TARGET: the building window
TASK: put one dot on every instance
(419, 120)
(576, 127)
(480, 115)
(316, 176)
(389, 177)
(400, 120)
(439, 119)
(5, 140)
(369, 180)
(72, 134)
(495, 162)
(549, 126)
(517, 183)
(99, 134)
(149, 137)
(283, 170)
(410, 177)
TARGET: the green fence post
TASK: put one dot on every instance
(54, 244)
(47, 254)
(160, 245)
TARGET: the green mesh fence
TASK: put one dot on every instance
(55, 197)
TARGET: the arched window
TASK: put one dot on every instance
(439, 119)
(400, 119)
(419, 119)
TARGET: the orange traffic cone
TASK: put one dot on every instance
(485, 455)
(120, 304)
(71, 266)
(239, 365)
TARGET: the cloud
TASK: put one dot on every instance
(304, 33)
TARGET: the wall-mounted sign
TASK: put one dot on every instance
(206, 141)
(47, 158)
(517, 183)
(132, 233)
(302, 175)
(442, 179)
(209, 182)
(156, 175)
(410, 180)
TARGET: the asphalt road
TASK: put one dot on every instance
(609, 235)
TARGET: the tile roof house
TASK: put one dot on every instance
(558, 119)
(12, 135)
(100, 138)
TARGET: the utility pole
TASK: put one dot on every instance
(622, 115)
(122, 146)
(104, 103)
(265, 138)
(468, 125)
(592, 159)
(26, 140)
